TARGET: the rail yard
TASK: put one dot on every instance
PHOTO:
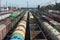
(29, 25)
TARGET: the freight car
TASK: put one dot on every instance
(53, 33)
(54, 23)
(4, 16)
(19, 33)
(54, 11)
(50, 20)
(55, 16)
(15, 17)
(6, 25)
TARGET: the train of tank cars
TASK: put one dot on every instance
(7, 22)
(20, 31)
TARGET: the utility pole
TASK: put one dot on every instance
(38, 7)
(6, 3)
(6, 6)
(0, 5)
(56, 4)
(55, 1)
(27, 5)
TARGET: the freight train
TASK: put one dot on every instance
(55, 17)
(19, 33)
(52, 32)
(53, 22)
(50, 20)
(7, 24)
(54, 11)
(54, 14)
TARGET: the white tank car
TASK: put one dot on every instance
(53, 33)
(4, 16)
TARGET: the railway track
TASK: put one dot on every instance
(36, 32)
(39, 21)
(27, 37)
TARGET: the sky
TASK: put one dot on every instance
(30, 3)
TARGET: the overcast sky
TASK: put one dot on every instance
(23, 3)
